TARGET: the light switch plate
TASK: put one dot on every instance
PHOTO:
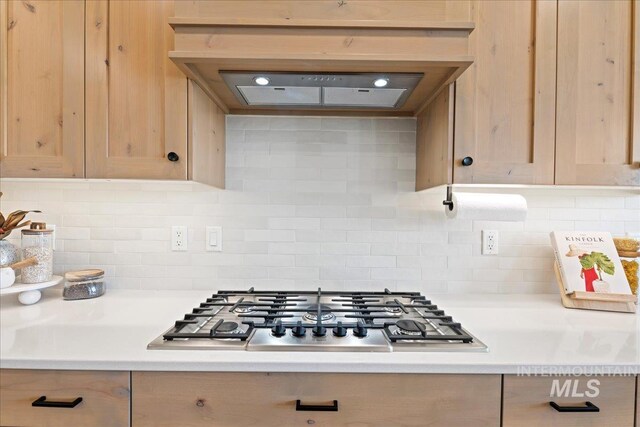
(213, 239)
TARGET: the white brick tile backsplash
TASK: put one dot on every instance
(294, 273)
(346, 224)
(632, 202)
(600, 202)
(617, 227)
(319, 260)
(247, 122)
(395, 249)
(294, 248)
(344, 273)
(372, 236)
(311, 202)
(269, 235)
(269, 260)
(294, 123)
(321, 236)
(346, 248)
(379, 261)
(632, 226)
(396, 273)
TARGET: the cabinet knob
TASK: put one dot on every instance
(467, 161)
(173, 157)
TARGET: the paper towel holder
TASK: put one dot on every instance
(449, 201)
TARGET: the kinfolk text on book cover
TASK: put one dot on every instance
(589, 262)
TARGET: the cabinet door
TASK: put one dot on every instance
(270, 399)
(598, 121)
(105, 398)
(505, 102)
(526, 401)
(136, 97)
(42, 88)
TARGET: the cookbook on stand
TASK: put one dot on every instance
(589, 262)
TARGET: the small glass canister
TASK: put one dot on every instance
(84, 284)
(37, 242)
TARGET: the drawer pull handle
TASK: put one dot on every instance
(44, 403)
(588, 407)
(326, 408)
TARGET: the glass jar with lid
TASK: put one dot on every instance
(37, 241)
(84, 284)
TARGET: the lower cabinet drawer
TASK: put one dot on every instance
(105, 398)
(260, 399)
(527, 401)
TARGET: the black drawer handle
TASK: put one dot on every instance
(325, 408)
(588, 407)
(43, 403)
(173, 157)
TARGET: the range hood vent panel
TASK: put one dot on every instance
(281, 95)
(361, 97)
(323, 90)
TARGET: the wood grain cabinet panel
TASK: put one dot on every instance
(191, 399)
(526, 401)
(136, 97)
(637, 401)
(505, 102)
(105, 398)
(598, 121)
(371, 10)
(434, 142)
(42, 88)
(207, 146)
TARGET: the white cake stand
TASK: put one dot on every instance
(30, 293)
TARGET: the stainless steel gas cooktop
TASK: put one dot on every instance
(317, 321)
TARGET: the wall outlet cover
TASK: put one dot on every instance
(179, 238)
(490, 242)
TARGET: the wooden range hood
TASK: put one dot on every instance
(207, 46)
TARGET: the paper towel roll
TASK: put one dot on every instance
(487, 206)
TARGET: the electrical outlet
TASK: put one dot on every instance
(490, 242)
(179, 237)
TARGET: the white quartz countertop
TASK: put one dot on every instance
(524, 333)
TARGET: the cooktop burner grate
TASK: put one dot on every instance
(318, 321)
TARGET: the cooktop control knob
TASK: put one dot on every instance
(339, 330)
(299, 330)
(319, 331)
(278, 329)
(360, 330)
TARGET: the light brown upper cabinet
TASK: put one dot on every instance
(505, 102)
(598, 98)
(136, 98)
(553, 97)
(42, 88)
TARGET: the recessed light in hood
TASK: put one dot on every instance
(381, 82)
(323, 90)
(261, 81)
